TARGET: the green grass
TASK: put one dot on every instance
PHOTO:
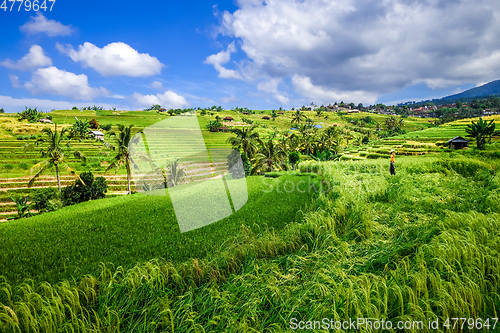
(423, 244)
(131, 229)
(419, 246)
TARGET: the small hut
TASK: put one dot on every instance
(280, 112)
(458, 143)
(266, 118)
(228, 118)
(223, 129)
(98, 135)
(45, 121)
(244, 112)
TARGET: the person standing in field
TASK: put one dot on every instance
(393, 159)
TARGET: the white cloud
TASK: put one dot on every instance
(168, 100)
(362, 48)
(33, 59)
(54, 81)
(323, 95)
(223, 57)
(114, 59)
(230, 99)
(271, 86)
(157, 85)
(17, 104)
(14, 80)
(40, 24)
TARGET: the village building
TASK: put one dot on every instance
(458, 143)
(98, 135)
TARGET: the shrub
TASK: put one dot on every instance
(90, 189)
(32, 115)
(106, 127)
(23, 166)
(293, 158)
(94, 124)
(47, 200)
(74, 108)
(8, 166)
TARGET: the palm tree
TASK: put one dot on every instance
(123, 157)
(270, 155)
(297, 116)
(481, 131)
(176, 174)
(54, 153)
(246, 138)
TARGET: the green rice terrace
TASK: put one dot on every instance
(327, 235)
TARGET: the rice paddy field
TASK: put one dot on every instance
(333, 240)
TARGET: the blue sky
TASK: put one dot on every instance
(248, 53)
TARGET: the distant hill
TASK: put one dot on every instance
(481, 92)
(486, 90)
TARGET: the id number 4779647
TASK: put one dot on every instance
(27, 5)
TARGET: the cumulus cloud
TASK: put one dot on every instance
(221, 58)
(230, 99)
(54, 81)
(271, 86)
(14, 80)
(168, 100)
(362, 48)
(33, 59)
(114, 59)
(17, 104)
(157, 85)
(40, 24)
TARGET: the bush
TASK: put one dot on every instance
(23, 166)
(90, 189)
(47, 200)
(94, 124)
(106, 127)
(8, 166)
(32, 115)
(293, 158)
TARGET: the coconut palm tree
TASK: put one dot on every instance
(297, 116)
(123, 139)
(54, 154)
(246, 138)
(270, 156)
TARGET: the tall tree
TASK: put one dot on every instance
(53, 150)
(123, 157)
(246, 138)
(482, 131)
(297, 116)
(270, 156)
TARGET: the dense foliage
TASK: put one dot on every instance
(46, 200)
(84, 189)
(32, 115)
